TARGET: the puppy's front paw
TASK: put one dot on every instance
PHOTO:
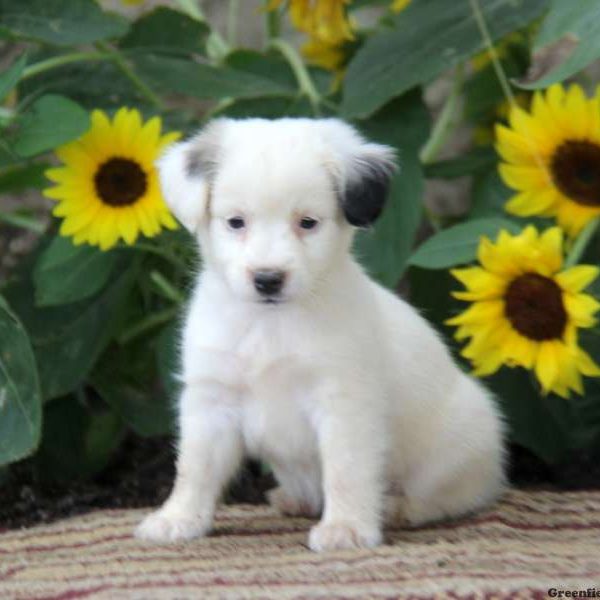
(164, 528)
(342, 535)
(293, 507)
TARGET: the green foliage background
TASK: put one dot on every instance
(88, 338)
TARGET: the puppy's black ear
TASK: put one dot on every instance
(185, 173)
(364, 195)
(362, 172)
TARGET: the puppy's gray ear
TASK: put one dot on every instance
(362, 171)
(186, 171)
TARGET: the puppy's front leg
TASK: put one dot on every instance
(210, 450)
(351, 446)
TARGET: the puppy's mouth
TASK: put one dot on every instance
(271, 301)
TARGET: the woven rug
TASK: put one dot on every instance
(525, 545)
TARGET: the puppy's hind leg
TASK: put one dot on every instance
(469, 491)
(210, 450)
(464, 469)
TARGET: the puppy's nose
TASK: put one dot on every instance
(269, 283)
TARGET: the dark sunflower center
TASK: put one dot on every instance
(535, 308)
(120, 182)
(576, 171)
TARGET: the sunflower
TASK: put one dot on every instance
(323, 20)
(526, 310)
(399, 5)
(552, 156)
(108, 187)
(322, 54)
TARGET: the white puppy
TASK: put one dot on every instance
(292, 354)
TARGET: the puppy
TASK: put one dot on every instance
(293, 355)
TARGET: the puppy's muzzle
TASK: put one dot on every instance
(269, 283)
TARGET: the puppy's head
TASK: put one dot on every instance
(273, 203)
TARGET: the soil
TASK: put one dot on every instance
(141, 475)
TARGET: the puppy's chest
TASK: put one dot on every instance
(279, 396)
(277, 418)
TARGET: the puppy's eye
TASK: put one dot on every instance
(236, 223)
(308, 223)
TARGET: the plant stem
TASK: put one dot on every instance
(503, 79)
(150, 322)
(305, 83)
(191, 8)
(487, 38)
(59, 61)
(216, 47)
(272, 23)
(14, 219)
(122, 65)
(581, 243)
(140, 246)
(232, 22)
(445, 122)
(166, 288)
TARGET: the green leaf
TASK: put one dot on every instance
(489, 196)
(67, 273)
(86, 83)
(23, 177)
(458, 245)
(538, 423)
(576, 25)
(268, 66)
(127, 379)
(59, 22)
(50, 122)
(20, 398)
(384, 249)
(266, 108)
(483, 92)
(10, 77)
(78, 440)
(166, 31)
(430, 293)
(68, 340)
(427, 38)
(480, 159)
(204, 81)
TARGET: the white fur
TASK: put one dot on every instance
(343, 388)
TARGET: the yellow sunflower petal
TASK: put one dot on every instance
(480, 284)
(75, 222)
(581, 309)
(128, 227)
(547, 365)
(586, 364)
(478, 312)
(550, 250)
(576, 107)
(577, 278)
(513, 147)
(524, 178)
(521, 350)
(529, 203)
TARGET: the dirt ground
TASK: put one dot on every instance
(140, 474)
